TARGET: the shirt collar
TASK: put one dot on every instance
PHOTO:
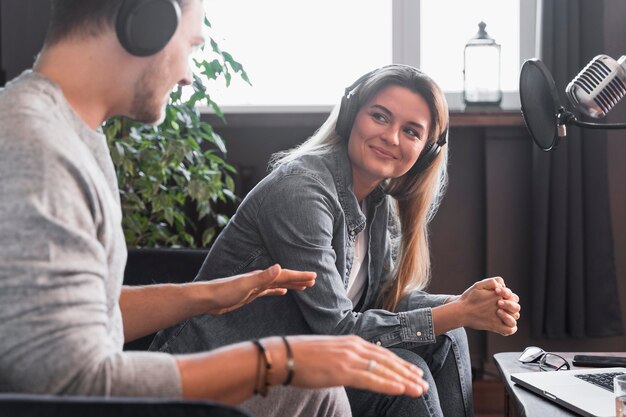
(355, 220)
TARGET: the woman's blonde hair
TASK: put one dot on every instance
(417, 194)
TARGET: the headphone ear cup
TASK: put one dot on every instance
(342, 126)
(144, 27)
(346, 116)
(427, 157)
(430, 152)
(349, 107)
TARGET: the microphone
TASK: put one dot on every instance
(599, 86)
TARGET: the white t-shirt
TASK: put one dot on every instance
(358, 274)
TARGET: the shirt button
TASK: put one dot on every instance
(378, 343)
(418, 334)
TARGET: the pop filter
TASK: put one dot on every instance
(545, 118)
(540, 103)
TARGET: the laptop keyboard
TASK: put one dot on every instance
(603, 380)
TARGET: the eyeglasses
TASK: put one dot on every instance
(547, 361)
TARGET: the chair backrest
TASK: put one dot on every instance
(159, 266)
(147, 266)
(31, 405)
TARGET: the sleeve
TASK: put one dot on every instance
(55, 312)
(421, 299)
(300, 235)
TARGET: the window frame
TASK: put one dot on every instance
(406, 50)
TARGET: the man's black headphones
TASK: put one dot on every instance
(144, 27)
(349, 108)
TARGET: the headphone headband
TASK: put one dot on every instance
(349, 91)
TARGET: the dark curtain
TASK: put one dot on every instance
(574, 283)
(2, 74)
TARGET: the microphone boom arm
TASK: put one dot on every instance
(565, 117)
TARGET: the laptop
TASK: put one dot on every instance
(573, 389)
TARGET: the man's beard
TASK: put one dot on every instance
(148, 105)
(147, 108)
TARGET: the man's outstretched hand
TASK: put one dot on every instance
(228, 294)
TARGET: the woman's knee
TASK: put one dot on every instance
(458, 337)
(416, 359)
(293, 401)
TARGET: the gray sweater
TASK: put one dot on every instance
(62, 256)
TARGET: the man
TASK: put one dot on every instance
(64, 314)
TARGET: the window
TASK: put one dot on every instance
(300, 52)
(304, 53)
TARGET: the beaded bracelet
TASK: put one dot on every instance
(258, 383)
(290, 362)
(263, 384)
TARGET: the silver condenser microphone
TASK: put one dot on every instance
(599, 86)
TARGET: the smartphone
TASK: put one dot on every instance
(599, 361)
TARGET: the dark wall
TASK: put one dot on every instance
(615, 46)
(23, 24)
(2, 71)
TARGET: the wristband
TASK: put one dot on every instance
(290, 362)
(264, 356)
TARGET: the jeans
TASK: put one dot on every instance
(447, 369)
(299, 402)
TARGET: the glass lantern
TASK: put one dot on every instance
(481, 69)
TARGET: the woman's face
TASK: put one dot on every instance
(387, 137)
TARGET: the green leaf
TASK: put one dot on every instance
(230, 183)
(231, 196)
(169, 215)
(219, 142)
(222, 220)
(207, 236)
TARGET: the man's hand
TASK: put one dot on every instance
(150, 308)
(227, 294)
(230, 374)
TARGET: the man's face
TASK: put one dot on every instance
(169, 67)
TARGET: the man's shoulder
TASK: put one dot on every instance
(30, 117)
(27, 97)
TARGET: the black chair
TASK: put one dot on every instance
(159, 266)
(162, 265)
(30, 405)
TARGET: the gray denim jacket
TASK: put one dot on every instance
(304, 216)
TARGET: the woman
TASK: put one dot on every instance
(353, 204)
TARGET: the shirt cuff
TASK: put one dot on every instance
(417, 326)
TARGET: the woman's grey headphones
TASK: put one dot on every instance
(144, 27)
(349, 108)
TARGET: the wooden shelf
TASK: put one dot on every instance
(484, 119)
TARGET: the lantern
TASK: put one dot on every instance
(481, 69)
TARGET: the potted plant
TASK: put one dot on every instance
(173, 177)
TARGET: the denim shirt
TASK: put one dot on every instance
(305, 216)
